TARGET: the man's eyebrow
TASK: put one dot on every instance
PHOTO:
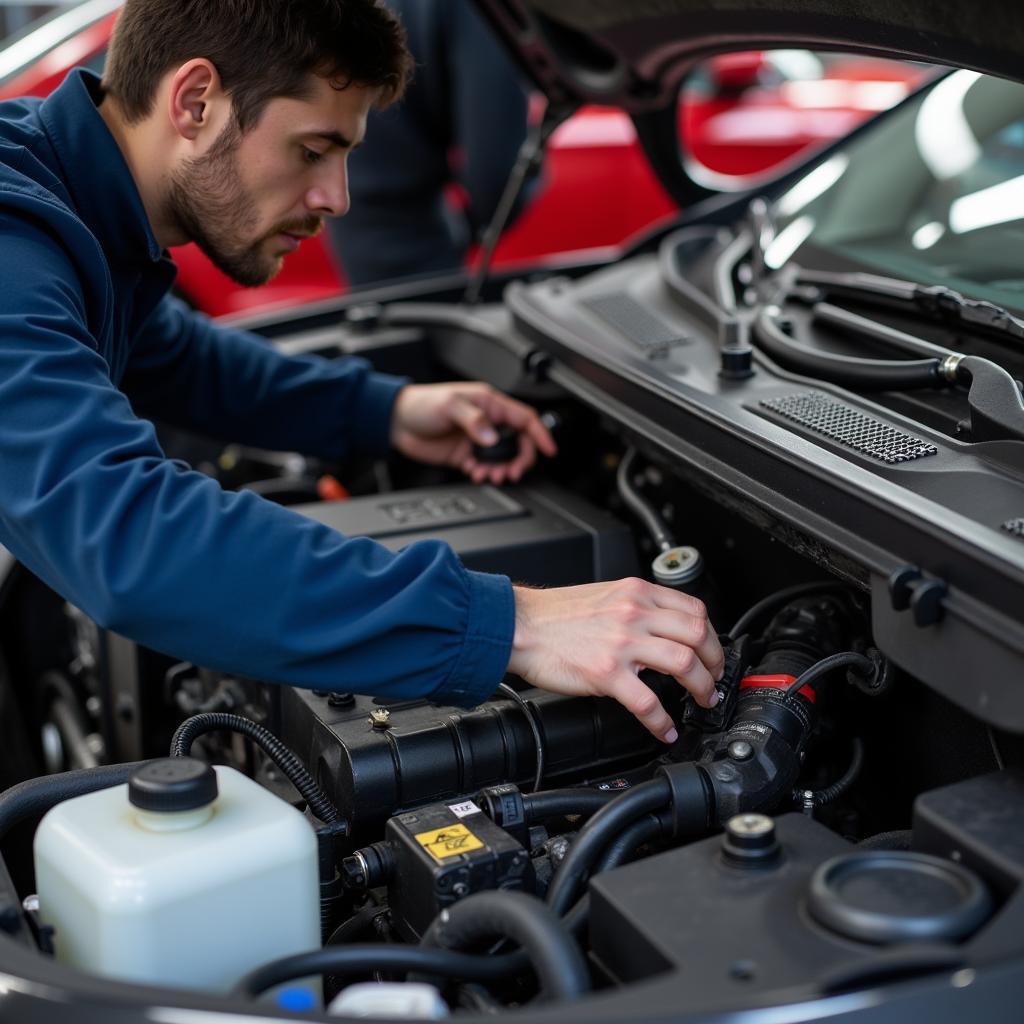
(335, 138)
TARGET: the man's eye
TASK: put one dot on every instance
(311, 156)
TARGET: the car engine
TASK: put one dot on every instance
(844, 825)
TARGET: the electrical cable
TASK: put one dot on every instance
(538, 737)
(596, 834)
(820, 797)
(556, 959)
(846, 659)
(779, 598)
(285, 759)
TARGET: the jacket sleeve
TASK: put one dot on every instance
(163, 555)
(233, 385)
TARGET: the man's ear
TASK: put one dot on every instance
(195, 99)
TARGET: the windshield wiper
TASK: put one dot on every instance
(935, 301)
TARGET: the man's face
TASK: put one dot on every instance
(250, 199)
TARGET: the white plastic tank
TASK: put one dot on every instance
(187, 876)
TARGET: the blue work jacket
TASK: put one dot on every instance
(90, 346)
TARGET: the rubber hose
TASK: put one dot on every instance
(596, 834)
(623, 847)
(562, 803)
(639, 505)
(36, 796)
(848, 371)
(285, 759)
(554, 955)
(365, 958)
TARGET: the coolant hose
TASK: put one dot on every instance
(847, 371)
(377, 956)
(525, 920)
(624, 846)
(595, 836)
(285, 759)
(36, 796)
(562, 803)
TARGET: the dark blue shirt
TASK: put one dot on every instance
(90, 345)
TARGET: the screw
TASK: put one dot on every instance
(380, 718)
(740, 750)
(338, 699)
(460, 889)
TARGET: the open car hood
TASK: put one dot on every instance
(634, 53)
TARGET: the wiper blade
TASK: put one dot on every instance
(936, 301)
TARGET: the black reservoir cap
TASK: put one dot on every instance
(172, 784)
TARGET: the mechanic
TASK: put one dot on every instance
(229, 124)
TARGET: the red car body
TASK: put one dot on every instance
(598, 187)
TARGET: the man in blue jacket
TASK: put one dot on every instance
(229, 124)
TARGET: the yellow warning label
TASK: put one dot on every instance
(449, 841)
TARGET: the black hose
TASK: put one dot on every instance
(538, 737)
(285, 759)
(367, 958)
(563, 803)
(596, 834)
(36, 796)
(556, 959)
(639, 505)
(847, 371)
(859, 662)
(623, 848)
(820, 797)
(779, 598)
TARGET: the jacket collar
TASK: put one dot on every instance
(96, 173)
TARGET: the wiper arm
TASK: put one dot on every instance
(935, 301)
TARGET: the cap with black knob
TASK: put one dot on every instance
(749, 840)
(172, 784)
(505, 449)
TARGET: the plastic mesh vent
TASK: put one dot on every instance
(1014, 526)
(650, 333)
(850, 426)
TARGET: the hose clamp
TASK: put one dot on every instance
(950, 367)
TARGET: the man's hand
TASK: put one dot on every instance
(439, 424)
(593, 640)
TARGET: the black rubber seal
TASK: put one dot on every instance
(172, 784)
(891, 896)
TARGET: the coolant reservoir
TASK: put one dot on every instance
(186, 876)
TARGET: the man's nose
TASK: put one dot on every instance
(329, 198)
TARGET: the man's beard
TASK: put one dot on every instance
(208, 201)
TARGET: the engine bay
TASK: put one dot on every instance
(844, 824)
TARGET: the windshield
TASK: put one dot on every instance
(934, 193)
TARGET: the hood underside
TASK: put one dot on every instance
(634, 53)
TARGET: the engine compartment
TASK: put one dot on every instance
(851, 834)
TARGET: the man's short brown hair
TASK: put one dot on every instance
(261, 49)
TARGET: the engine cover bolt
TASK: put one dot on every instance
(380, 718)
